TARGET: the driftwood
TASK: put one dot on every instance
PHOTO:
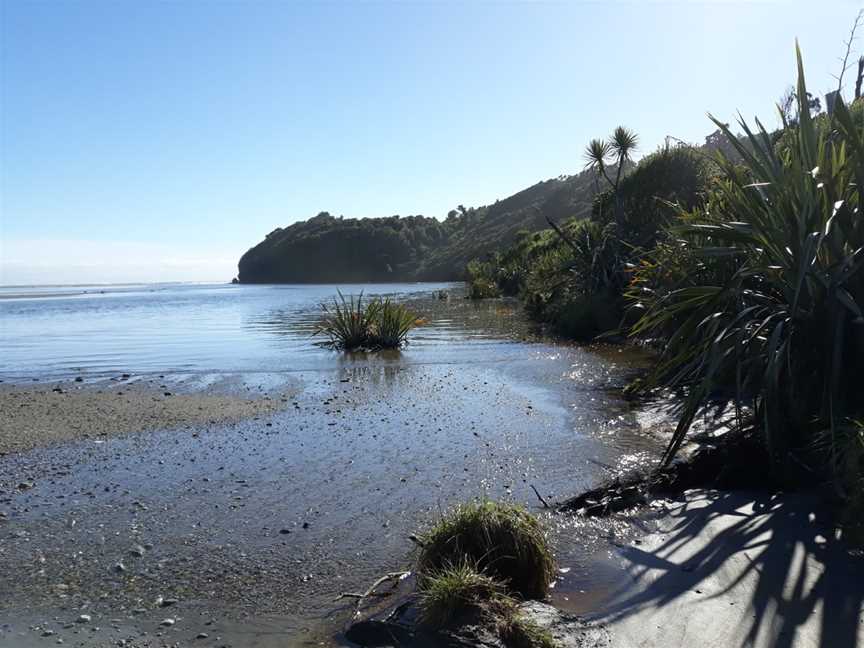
(392, 576)
(737, 460)
(539, 496)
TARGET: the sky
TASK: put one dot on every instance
(158, 141)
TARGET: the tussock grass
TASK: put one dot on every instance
(447, 593)
(480, 559)
(349, 325)
(503, 541)
(346, 323)
(390, 325)
(456, 592)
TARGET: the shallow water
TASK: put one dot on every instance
(275, 517)
(96, 330)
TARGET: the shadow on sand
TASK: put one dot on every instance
(741, 569)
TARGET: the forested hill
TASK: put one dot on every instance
(328, 249)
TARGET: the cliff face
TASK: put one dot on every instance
(327, 249)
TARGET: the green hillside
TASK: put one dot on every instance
(410, 248)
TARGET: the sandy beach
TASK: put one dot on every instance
(66, 410)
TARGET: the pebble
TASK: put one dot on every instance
(119, 567)
(84, 618)
(202, 635)
(137, 551)
(167, 622)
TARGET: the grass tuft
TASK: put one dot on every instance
(390, 325)
(501, 540)
(448, 593)
(452, 594)
(349, 325)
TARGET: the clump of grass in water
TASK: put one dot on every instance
(391, 324)
(479, 558)
(503, 540)
(379, 324)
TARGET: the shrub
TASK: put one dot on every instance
(584, 318)
(351, 326)
(673, 174)
(844, 452)
(482, 288)
(772, 313)
(503, 541)
(482, 283)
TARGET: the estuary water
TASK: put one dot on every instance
(56, 330)
(256, 527)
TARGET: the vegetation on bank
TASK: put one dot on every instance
(334, 249)
(575, 277)
(477, 562)
(743, 267)
(351, 325)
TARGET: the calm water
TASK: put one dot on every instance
(185, 327)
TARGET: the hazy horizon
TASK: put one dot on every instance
(158, 142)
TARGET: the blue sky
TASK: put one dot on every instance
(155, 141)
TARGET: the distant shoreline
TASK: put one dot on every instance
(37, 291)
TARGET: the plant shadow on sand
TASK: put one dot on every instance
(740, 568)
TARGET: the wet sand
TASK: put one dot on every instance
(255, 523)
(241, 529)
(66, 410)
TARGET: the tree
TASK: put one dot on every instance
(618, 150)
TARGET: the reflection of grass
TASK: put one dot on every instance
(380, 324)
(476, 560)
